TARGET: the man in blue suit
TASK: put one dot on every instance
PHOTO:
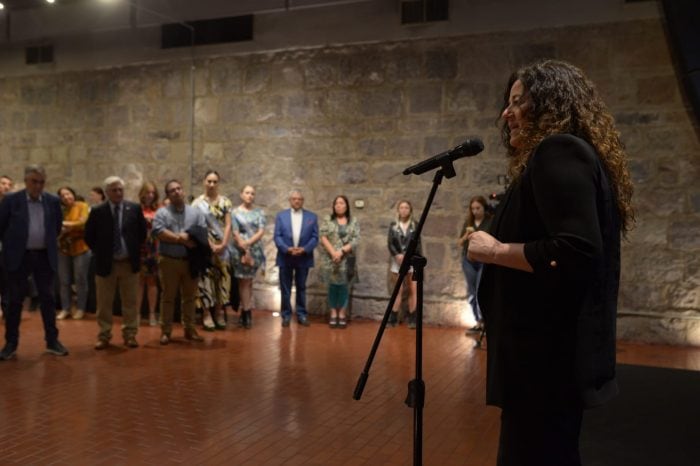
(296, 237)
(30, 221)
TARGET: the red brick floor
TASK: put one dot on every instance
(265, 396)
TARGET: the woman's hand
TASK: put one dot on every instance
(399, 258)
(482, 247)
(337, 256)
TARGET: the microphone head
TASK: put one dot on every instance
(471, 146)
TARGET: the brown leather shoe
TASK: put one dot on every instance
(131, 342)
(164, 339)
(101, 344)
(192, 335)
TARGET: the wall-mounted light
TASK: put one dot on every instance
(50, 1)
(2, 6)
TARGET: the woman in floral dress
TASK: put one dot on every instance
(248, 229)
(340, 235)
(214, 285)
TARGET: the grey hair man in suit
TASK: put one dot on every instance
(115, 231)
(30, 221)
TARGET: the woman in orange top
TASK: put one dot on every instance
(73, 255)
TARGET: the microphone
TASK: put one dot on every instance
(468, 148)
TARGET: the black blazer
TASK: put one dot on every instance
(99, 236)
(551, 333)
(14, 228)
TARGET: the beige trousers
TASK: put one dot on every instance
(175, 274)
(105, 288)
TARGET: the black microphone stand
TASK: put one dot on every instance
(416, 387)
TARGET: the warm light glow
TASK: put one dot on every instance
(2, 6)
(50, 1)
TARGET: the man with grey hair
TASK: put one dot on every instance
(30, 221)
(296, 237)
(115, 231)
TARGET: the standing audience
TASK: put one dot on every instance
(477, 220)
(96, 196)
(296, 237)
(73, 255)
(248, 229)
(552, 264)
(401, 232)
(340, 235)
(183, 244)
(115, 231)
(148, 273)
(215, 283)
(30, 222)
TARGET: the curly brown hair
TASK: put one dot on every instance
(561, 99)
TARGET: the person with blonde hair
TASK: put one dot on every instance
(549, 287)
(248, 229)
(148, 273)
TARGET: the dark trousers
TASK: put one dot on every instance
(35, 263)
(298, 274)
(4, 301)
(540, 437)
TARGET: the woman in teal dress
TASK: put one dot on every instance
(248, 229)
(340, 235)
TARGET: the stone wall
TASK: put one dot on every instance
(348, 119)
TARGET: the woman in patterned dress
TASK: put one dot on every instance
(148, 274)
(248, 229)
(214, 285)
(340, 235)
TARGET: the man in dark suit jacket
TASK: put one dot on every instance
(115, 231)
(6, 185)
(296, 237)
(30, 221)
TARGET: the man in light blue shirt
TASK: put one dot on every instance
(173, 225)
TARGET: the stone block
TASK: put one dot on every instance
(364, 68)
(372, 147)
(684, 233)
(321, 71)
(441, 63)
(425, 98)
(225, 77)
(658, 90)
(352, 173)
(256, 78)
(382, 102)
(206, 111)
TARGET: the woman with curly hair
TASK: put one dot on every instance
(549, 287)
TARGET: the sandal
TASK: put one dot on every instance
(333, 322)
(342, 323)
(208, 323)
